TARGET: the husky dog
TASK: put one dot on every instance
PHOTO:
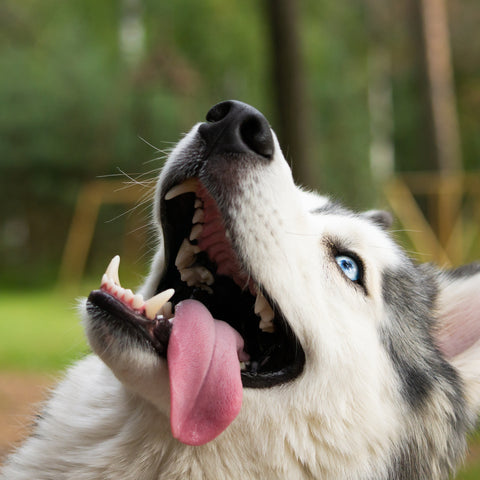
(277, 336)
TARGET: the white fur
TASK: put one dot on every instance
(341, 419)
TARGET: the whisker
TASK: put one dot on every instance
(163, 157)
(149, 144)
(145, 203)
(132, 179)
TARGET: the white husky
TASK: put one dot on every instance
(283, 337)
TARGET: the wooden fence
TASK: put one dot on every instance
(439, 215)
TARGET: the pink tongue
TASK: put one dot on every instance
(205, 385)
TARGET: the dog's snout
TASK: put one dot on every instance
(235, 127)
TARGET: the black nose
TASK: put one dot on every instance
(235, 127)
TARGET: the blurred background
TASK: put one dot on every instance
(376, 103)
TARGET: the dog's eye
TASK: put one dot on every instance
(350, 267)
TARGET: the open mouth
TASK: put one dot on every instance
(201, 265)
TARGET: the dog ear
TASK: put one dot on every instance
(458, 333)
(382, 218)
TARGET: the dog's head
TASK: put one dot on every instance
(269, 307)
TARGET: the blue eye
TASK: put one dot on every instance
(349, 267)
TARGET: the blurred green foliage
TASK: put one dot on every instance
(75, 103)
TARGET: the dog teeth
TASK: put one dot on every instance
(263, 309)
(128, 296)
(205, 275)
(112, 270)
(260, 303)
(154, 305)
(188, 275)
(137, 302)
(186, 255)
(196, 276)
(198, 216)
(111, 284)
(188, 186)
(266, 322)
(159, 304)
(196, 231)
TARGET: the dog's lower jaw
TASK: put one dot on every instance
(142, 372)
(146, 376)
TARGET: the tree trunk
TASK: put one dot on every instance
(441, 90)
(293, 121)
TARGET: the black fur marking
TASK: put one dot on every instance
(417, 383)
(381, 218)
(410, 295)
(464, 271)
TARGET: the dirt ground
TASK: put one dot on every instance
(20, 394)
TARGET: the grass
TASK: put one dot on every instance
(40, 331)
(471, 470)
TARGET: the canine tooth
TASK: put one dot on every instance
(186, 254)
(110, 285)
(198, 216)
(104, 281)
(112, 269)
(196, 231)
(154, 304)
(187, 186)
(137, 301)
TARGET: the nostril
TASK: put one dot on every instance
(235, 127)
(255, 132)
(218, 112)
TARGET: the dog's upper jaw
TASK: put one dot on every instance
(229, 290)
